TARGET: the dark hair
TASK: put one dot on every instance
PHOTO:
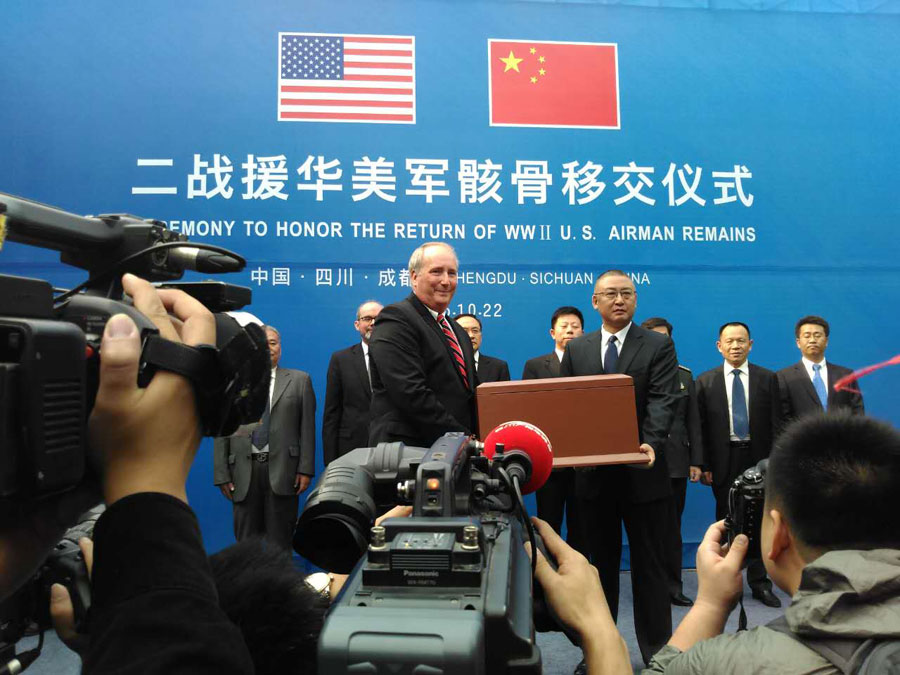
(459, 316)
(835, 477)
(265, 596)
(815, 320)
(734, 323)
(563, 311)
(656, 322)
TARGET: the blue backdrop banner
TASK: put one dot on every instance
(736, 164)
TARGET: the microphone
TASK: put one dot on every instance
(535, 454)
(205, 262)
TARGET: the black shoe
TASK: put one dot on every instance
(766, 597)
(681, 599)
(581, 668)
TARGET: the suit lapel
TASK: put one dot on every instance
(553, 364)
(806, 384)
(592, 345)
(282, 380)
(359, 364)
(632, 345)
(432, 324)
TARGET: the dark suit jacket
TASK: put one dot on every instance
(709, 426)
(492, 370)
(541, 367)
(292, 439)
(345, 420)
(418, 393)
(679, 454)
(799, 397)
(649, 358)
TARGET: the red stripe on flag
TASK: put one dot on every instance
(398, 117)
(369, 64)
(379, 78)
(367, 104)
(344, 90)
(376, 38)
(378, 52)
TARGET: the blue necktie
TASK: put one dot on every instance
(260, 435)
(819, 385)
(612, 356)
(739, 407)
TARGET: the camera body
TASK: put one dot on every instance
(745, 507)
(449, 588)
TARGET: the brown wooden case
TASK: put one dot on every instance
(589, 420)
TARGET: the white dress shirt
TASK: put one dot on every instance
(605, 335)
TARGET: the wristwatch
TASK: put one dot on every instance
(320, 582)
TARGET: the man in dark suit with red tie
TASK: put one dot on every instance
(808, 386)
(345, 421)
(423, 367)
(639, 497)
(556, 497)
(735, 414)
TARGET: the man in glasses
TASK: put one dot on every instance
(348, 393)
(611, 495)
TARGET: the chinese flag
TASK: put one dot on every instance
(553, 84)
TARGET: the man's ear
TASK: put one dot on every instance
(782, 539)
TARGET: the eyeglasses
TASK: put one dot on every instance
(627, 294)
(366, 319)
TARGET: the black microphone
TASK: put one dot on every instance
(206, 262)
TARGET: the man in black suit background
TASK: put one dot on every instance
(263, 467)
(345, 420)
(566, 324)
(489, 369)
(808, 386)
(423, 370)
(639, 497)
(735, 414)
(556, 497)
(684, 463)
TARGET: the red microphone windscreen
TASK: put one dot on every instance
(530, 440)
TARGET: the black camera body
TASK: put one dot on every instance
(449, 588)
(745, 507)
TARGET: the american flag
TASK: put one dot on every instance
(346, 78)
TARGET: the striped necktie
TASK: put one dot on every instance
(454, 346)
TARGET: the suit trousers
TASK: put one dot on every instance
(556, 498)
(756, 571)
(676, 505)
(647, 525)
(263, 513)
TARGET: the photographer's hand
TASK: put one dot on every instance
(62, 612)
(720, 585)
(575, 593)
(146, 440)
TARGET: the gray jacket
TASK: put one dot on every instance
(843, 594)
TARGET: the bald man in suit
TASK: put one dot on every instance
(348, 394)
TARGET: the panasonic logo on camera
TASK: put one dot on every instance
(413, 573)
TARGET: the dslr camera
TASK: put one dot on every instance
(447, 590)
(745, 507)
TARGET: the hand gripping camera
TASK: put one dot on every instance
(447, 590)
(745, 507)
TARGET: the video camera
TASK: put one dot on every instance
(50, 357)
(745, 507)
(448, 589)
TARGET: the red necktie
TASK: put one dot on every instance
(454, 346)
